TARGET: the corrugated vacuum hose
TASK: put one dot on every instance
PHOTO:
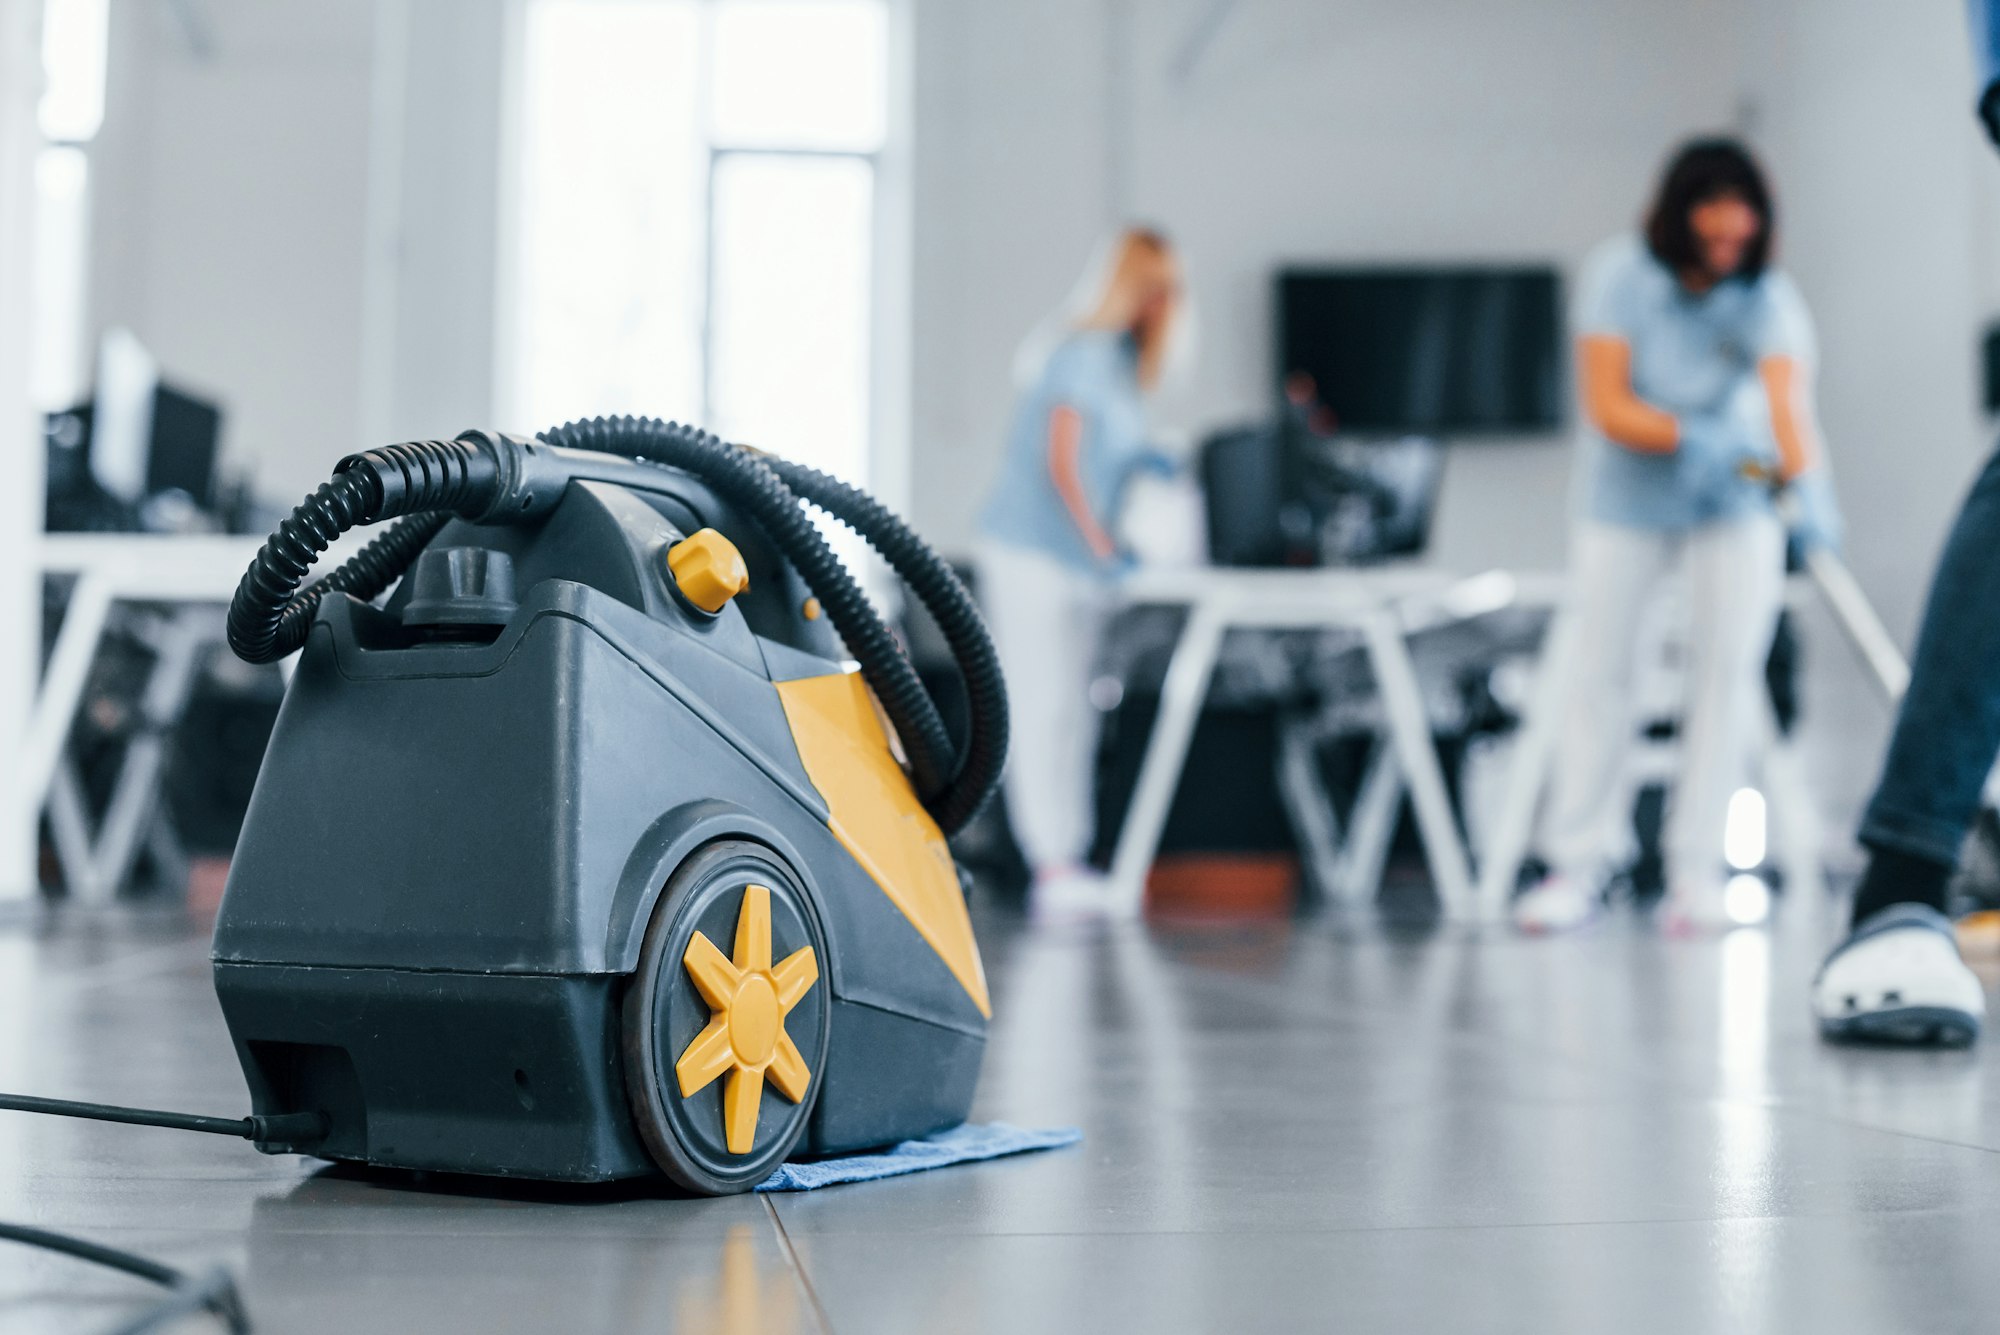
(488, 478)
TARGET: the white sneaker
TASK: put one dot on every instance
(1069, 894)
(1697, 906)
(1899, 979)
(1557, 903)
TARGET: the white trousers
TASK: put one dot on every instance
(1735, 575)
(1046, 620)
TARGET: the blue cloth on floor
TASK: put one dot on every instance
(961, 1144)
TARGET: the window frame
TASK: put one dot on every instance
(885, 450)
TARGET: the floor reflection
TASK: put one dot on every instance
(746, 1297)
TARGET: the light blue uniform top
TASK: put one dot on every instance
(1695, 357)
(1096, 373)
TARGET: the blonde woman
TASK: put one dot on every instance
(1047, 550)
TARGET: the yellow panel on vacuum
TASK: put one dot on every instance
(874, 813)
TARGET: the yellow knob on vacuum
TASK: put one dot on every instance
(708, 569)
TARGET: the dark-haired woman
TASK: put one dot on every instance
(1695, 359)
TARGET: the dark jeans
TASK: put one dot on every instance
(1948, 730)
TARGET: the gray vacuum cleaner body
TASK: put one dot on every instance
(552, 872)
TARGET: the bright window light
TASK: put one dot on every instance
(1743, 837)
(789, 349)
(695, 226)
(62, 231)
(74, 46)
(608, 274)
(799, 74)
(1746, 899)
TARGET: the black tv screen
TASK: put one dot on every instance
(1427, 351)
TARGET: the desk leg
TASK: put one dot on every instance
(1303, 791)
(62, 690)
(69, 831)
(1371, 826)
(135, 799)
(1514, 826)
(1410, 729)
(1181, 699)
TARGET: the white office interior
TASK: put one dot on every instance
(826, 227)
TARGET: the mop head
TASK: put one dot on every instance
(961, 1144)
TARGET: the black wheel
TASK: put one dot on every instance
(725, 1022)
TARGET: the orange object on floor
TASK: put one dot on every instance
(206, 877)
(1979, 934)
(1223, 885)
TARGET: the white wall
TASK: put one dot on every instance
(300, 218)
(1010, 195)
(20, 435)
(441, 123)
(228, 228)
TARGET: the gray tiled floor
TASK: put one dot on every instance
(1302, 1126)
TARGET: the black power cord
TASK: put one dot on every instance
(213, 1292)
(288, 1129)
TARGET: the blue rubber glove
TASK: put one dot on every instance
(1814, 511)
(1717, 457)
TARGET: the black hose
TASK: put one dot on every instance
(745, 480)
(430, 480)
(213, 1292)
(937, 586)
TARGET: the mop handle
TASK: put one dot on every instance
(1836, 583)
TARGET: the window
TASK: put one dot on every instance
(70, 113)
(694, 218)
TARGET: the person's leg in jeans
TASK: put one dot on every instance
(1898, 976)
(1614, 571)
(1735, 587)
(1948, 729)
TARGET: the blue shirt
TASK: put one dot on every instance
(1095, 373)
(1694, 356)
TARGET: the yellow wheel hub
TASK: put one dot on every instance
(754, 1022)
(748, 999)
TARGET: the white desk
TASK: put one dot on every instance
(196, 575)
(1385, 604)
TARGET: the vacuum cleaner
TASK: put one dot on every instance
(587, 854)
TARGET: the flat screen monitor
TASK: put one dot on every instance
(1439, 351)
(136, 439)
